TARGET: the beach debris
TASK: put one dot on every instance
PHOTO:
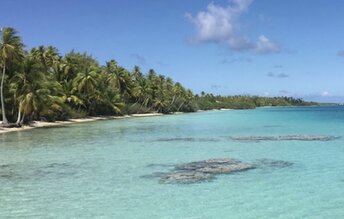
(286, 138)
(204, 170)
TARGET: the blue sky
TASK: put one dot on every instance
(265, 47)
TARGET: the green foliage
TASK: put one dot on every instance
(11, 52)
(44, 85)
(209, 101)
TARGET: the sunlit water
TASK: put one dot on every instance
(105, 169)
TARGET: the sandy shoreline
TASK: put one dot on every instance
(41, 124)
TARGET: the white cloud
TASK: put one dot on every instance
(264, 46)
(325, 94)
(221, 25)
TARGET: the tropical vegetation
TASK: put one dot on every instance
(42, 84)
(210, 101)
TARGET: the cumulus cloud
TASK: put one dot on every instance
(218, 24)
(280, 75)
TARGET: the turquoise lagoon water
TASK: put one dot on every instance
(106, 169)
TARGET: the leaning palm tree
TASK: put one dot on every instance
(35, 93)
(11, 49)
(23, 79)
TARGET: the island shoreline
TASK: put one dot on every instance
(42, 124)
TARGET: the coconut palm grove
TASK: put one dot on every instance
(42, 84)
(146, 109)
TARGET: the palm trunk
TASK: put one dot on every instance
(146, 102)
(180, 106)
(172, 102)
(4, 119)
(19, 114)
(22, 120)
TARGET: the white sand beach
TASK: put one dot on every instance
(42, 124)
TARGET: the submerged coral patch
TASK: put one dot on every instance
(207, 170)
(203, 170)
(186, 177)
(286, 138)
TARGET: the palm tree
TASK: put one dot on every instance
(137, 74)
(34, 92)
(20, 82)
(38, 99)
(119, 77)
(153, 84)
(11, 49)
(71, 97)
(47, 56)
(86, 83)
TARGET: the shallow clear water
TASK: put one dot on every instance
(104, 169)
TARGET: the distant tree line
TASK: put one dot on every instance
(210, 101)
(42, 84)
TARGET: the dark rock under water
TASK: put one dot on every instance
(203, 170)
(186, 177)
(207, 170)
(286, 138)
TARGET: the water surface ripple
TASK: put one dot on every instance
(111, 169)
